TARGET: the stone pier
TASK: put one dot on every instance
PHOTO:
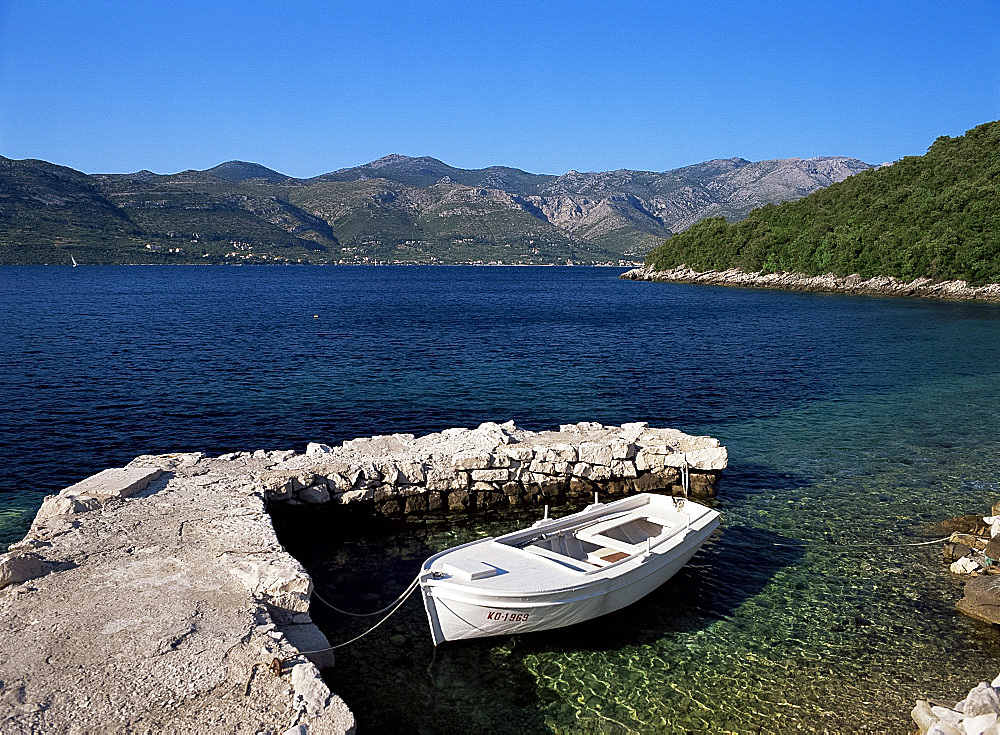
(157, 597)
(497, 464)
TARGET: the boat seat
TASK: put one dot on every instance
(605, 556)
(579, 565)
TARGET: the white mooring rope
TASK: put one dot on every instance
(395, 605)
(369, 614)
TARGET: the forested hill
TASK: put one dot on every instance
(936, 215)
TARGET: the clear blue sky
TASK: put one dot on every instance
(309, 87)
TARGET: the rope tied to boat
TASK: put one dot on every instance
(395, 605)
(333, 607)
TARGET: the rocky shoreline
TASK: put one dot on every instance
(973, 549)
(157, 597)
(828, 283)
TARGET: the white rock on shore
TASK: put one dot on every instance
(977, 714)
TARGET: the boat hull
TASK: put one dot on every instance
(464, 614)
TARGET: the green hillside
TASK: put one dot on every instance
(936, 215)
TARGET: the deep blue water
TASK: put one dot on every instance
(848, 419)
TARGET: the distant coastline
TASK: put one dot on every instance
(828, 283)
(272, 264)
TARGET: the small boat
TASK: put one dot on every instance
(562, 571)
(75, 264)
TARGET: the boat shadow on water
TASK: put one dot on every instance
(396, 679)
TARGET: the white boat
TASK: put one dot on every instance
(562, 571)
(75, 264)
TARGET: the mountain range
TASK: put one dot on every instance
(395, 209)
(933, 216)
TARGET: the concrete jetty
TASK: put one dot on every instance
(157, 597)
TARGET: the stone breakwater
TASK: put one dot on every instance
(496, 464)
(853, 284)
(157, 597)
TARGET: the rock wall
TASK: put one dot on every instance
(854, 284)
(495, 464)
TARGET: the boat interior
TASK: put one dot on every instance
(601, 542)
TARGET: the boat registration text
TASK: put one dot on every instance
(507, 617)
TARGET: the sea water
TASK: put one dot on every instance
(854, 425)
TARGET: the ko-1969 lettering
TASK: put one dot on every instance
(506, 617)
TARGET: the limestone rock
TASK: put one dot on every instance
(471, 460)
(97, 490)
(994, 523)
(390, 469)
(595, 453)
(556, 453)
(416, 504)
(715, 458)
(458, 500)
(309, 687)
(354, 496)
(443, 479)
(19, 567)
(314, 448)
(979, 724)
(491, 475)
(411, 473)
(946, 714)
(943, 728)
(282, 581)
(970, 540)
(965, 565)
(923, 716)
(982, 700)
(60, 505)
(308, 637)
(275, 484)
(621, 449)
(518, 452)
(302, 480)
(992, 549)
(623, 468)
(877, 285)
(649, 460)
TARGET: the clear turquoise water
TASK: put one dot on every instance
(849, 421)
